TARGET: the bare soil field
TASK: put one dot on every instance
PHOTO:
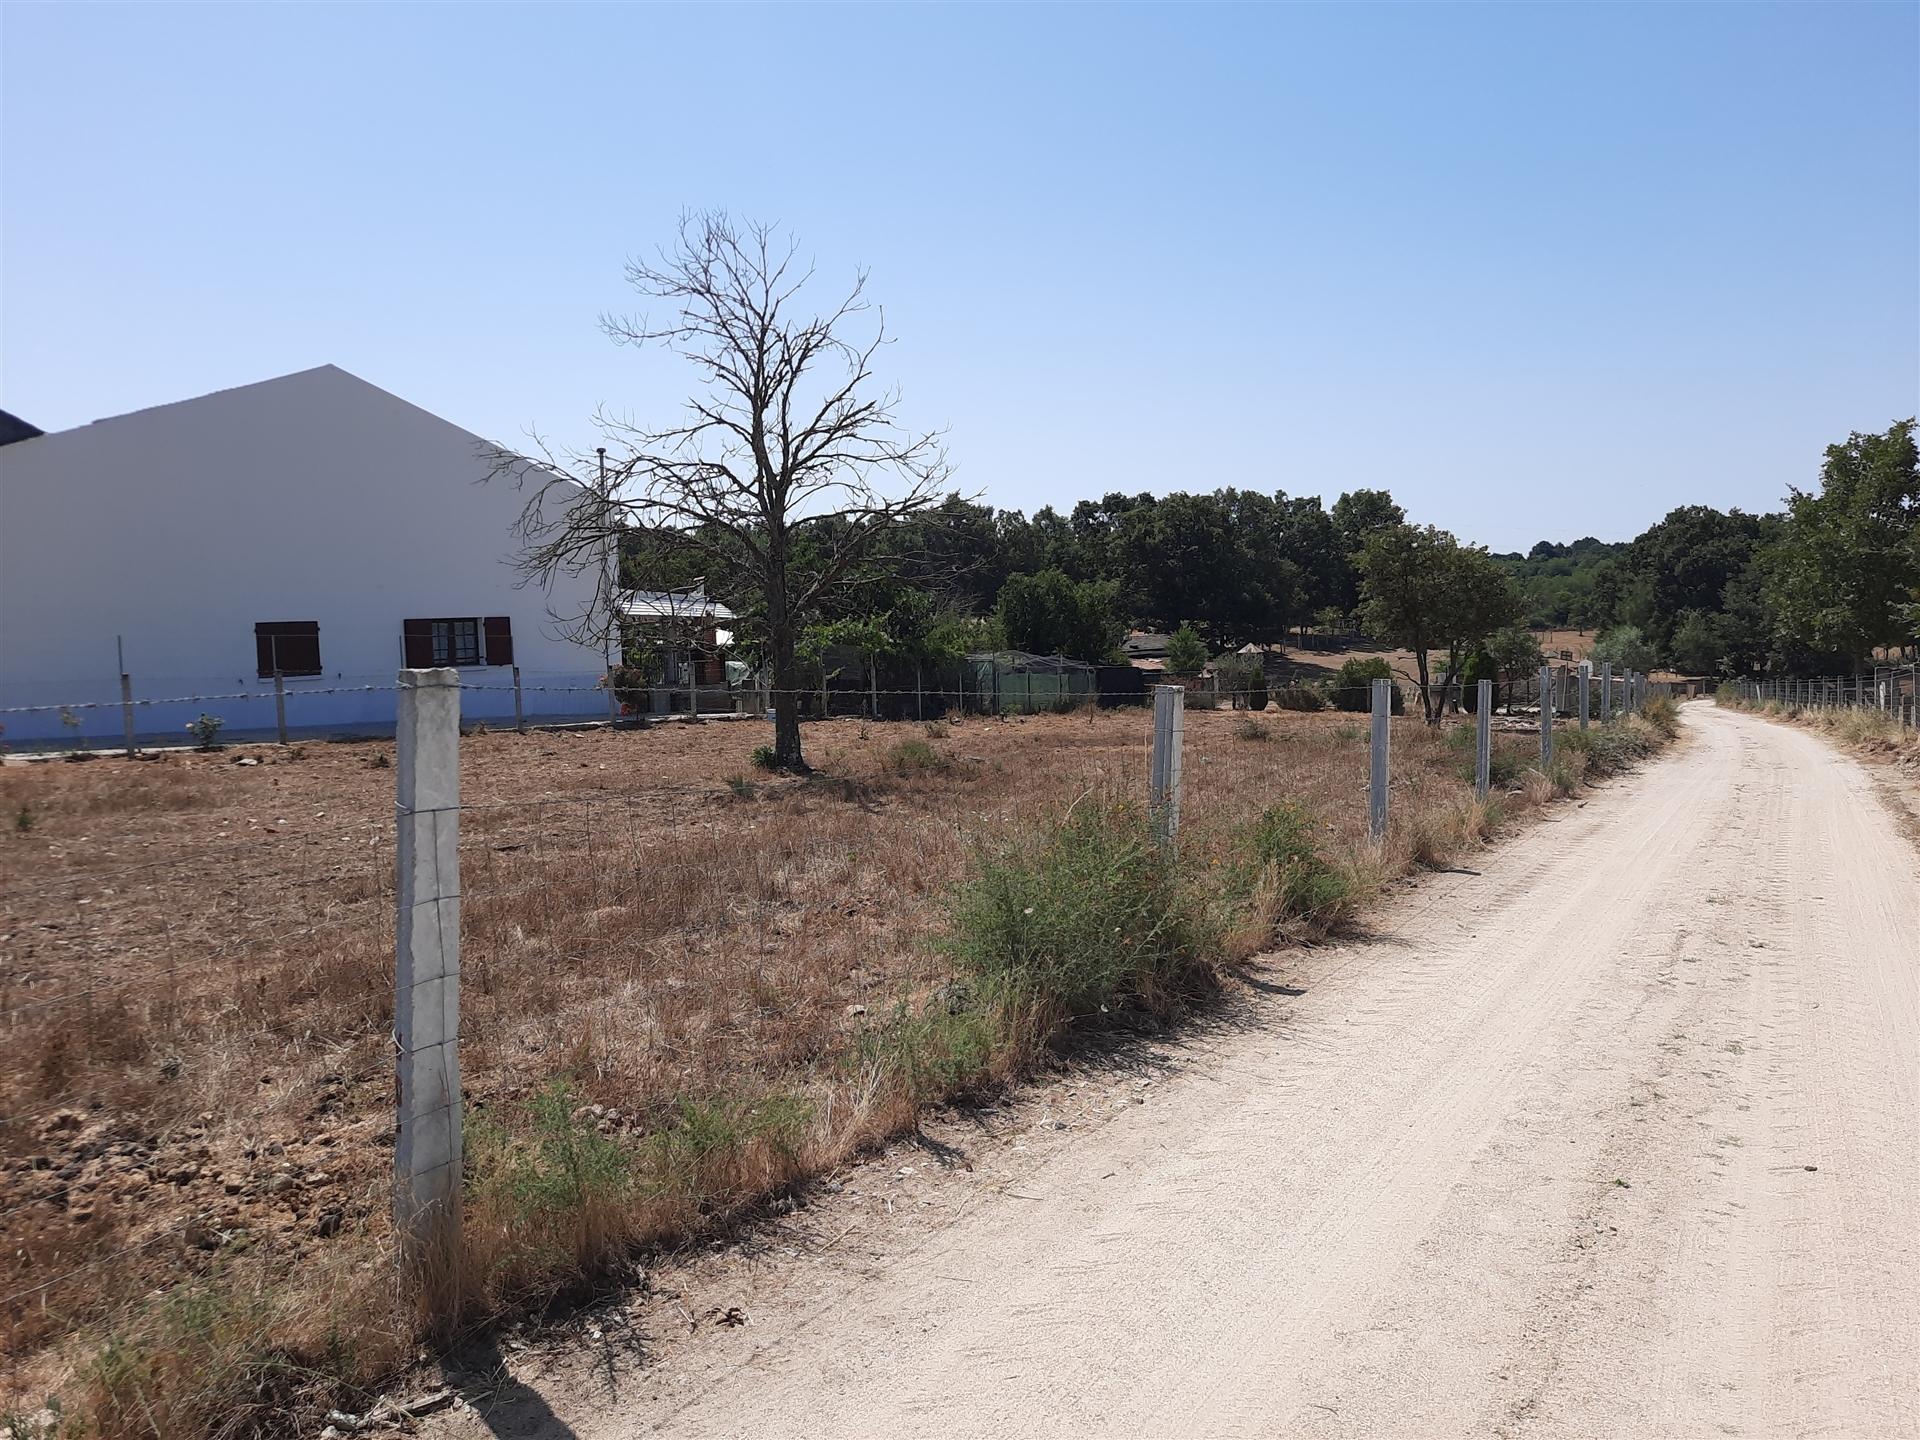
(196, 1000)
(1608, 1133)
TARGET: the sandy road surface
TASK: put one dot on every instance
(1618, 1137)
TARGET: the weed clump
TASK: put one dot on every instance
(1078, 916)
(1284, 843)
(911, 758)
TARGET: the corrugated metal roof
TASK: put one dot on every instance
(672, 605)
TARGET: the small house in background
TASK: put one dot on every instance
(313, 529)
(1144, 645)
(687, 629)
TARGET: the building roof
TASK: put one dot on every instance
(1145, 642)
(691, 604)
(13, 428)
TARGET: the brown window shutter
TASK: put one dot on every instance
(499, 639)
(263, 650)
(416, 643)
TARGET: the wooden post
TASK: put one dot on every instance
(426, 1008)
(519, 714)
(1377, 760)
(280, 705)
(1586, 687)
(919, 693)
(1163, 767)
(1606, 691)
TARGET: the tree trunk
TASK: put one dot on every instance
(1426, 687)
(786, 670)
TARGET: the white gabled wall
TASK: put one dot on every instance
(315, 496)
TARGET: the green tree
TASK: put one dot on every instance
(1186, 652)
(1696, 647)
(1421, 588)
(1846, 573)
(1050, 614)
(1514, 652)
(1623, 647)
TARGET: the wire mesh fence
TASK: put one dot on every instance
(1892, 691)
(197, 1018)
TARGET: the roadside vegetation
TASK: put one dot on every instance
(1863, 731)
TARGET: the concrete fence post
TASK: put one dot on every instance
(280, 705)
(126, 710)
(519, 710)
(1546, 720)
(426, 974)
(1606, 691)
(1163, 768)
(1378, 759)
(1586, 689)
(1483, 741)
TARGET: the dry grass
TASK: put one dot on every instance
(684, 991)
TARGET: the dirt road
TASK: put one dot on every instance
(1618, 1137)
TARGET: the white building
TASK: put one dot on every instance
(313, 523)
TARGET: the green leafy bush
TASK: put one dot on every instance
(1352, 686)
(1299, 697)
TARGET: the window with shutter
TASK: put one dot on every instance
(287, 647)
(461, 640)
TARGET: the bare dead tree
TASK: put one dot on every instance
(790, 435)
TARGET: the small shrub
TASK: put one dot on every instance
(1201, 700)
(1072, 917)
(741, 787)
(1352, 686)
(1285, 840)
(24, 819)
(764, 757)
(1663, 714)
(938, 730)
(1248, 728)
(1299, 697)
(931, 1056)
(912, 758)
(380, 760)
(548, 1187)
(206, 731)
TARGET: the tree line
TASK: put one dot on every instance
(787, 486)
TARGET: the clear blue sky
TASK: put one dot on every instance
(1541, 270)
